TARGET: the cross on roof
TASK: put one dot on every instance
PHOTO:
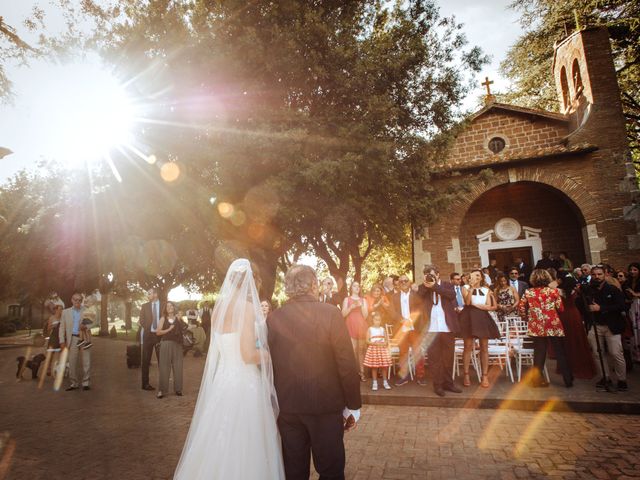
(486, 83)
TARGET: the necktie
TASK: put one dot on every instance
(459, 297)
(154, 314)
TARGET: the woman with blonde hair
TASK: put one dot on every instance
(540, 304)
(477, 323)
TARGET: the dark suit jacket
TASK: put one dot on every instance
(416, 309)
(522, 286)
(447, 297)
(315, 369)
(612, 307)
(146, 316)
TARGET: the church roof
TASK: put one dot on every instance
(519, 110)
(521, 156)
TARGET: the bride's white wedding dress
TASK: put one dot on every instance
(233, 433)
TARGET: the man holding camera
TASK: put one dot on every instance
(606, 304)
(441, 326)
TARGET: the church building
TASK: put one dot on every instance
(561, 182)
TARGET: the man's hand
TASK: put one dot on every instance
(349, 423)
(594, 307)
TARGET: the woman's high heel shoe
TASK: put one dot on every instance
(485, 382)
(467, 381)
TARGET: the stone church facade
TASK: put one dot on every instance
(556, 181)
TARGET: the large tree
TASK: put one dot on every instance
(528, 62)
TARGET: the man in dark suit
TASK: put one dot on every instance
(315, 376)
(519, 285)
(523, 268)
(205, 320)
(441, 326)
(149, 317)
(327, 295)
(546, 261)
(408, 327)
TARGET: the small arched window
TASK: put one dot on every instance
(577, 78)
(564, 86)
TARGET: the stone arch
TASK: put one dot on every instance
(576, 192)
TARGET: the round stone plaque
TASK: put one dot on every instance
(508, 229)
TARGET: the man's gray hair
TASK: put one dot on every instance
(300, 280)
(586, 265)
(428, 268)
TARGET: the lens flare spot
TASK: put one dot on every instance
(225, 210)
(238, 218)
(170, 172)
(212, 200)
(151, 159)
(256, 231)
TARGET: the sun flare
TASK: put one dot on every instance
(87, 112)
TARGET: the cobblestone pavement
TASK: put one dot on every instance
(114, 432)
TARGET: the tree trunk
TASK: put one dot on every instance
(104, 319)
(128, 307)
(267, 264)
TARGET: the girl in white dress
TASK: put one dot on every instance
(233, 433)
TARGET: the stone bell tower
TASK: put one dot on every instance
(588, 93)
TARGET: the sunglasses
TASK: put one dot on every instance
(404, 281)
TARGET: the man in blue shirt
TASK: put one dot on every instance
(70, 327)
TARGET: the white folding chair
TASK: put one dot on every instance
(458, 358)
(499, 349)
(522, 347)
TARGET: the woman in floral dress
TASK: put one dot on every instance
(540, 304)
(506, 296)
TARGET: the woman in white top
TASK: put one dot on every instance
(477, 323)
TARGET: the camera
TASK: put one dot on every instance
(429, 278)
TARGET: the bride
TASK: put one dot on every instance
(233, 433)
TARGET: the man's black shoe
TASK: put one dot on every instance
(148, 387)
(438, 391)
(68, 389)
(422, 382)
(402, 381)
(602, 385)
(622, 386)
(452, 388)
(86, 388)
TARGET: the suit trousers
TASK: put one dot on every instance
(149, 341)
(318, 435)
(171, 354)
(614, 347)
(440, 348)
(74, 353)
(414, 340)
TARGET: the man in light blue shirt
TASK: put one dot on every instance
(70, 327)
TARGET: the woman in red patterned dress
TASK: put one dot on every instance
(540, 304)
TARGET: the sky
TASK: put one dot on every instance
(28, 127)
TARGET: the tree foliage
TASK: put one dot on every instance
(528, 62)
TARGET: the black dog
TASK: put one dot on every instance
(33, 364)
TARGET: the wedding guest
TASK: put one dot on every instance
(456, 281)
(554, 277)
(327, 294)
(169, 331)
(524, 270)
(355, 312)
(577, 349)
(477, 323)
(441, 327)
(606, 307)
(545, 262)
(540, 305)
(70, 327)
(621, 276)
(565, 264)
(408, 328)
(149, 320)
(378, 302)
(585, 268)
(199, 338)
(514, 280)
(507, 297)
(52, 334)
(609, 276)
(205, 321)
(631, 284)
(265, 306)
(464, 279)
(387, 284)
(377, 356)
(577, 274)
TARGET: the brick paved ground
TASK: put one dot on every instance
(112, 432)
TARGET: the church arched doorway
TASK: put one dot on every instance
(521, 219)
